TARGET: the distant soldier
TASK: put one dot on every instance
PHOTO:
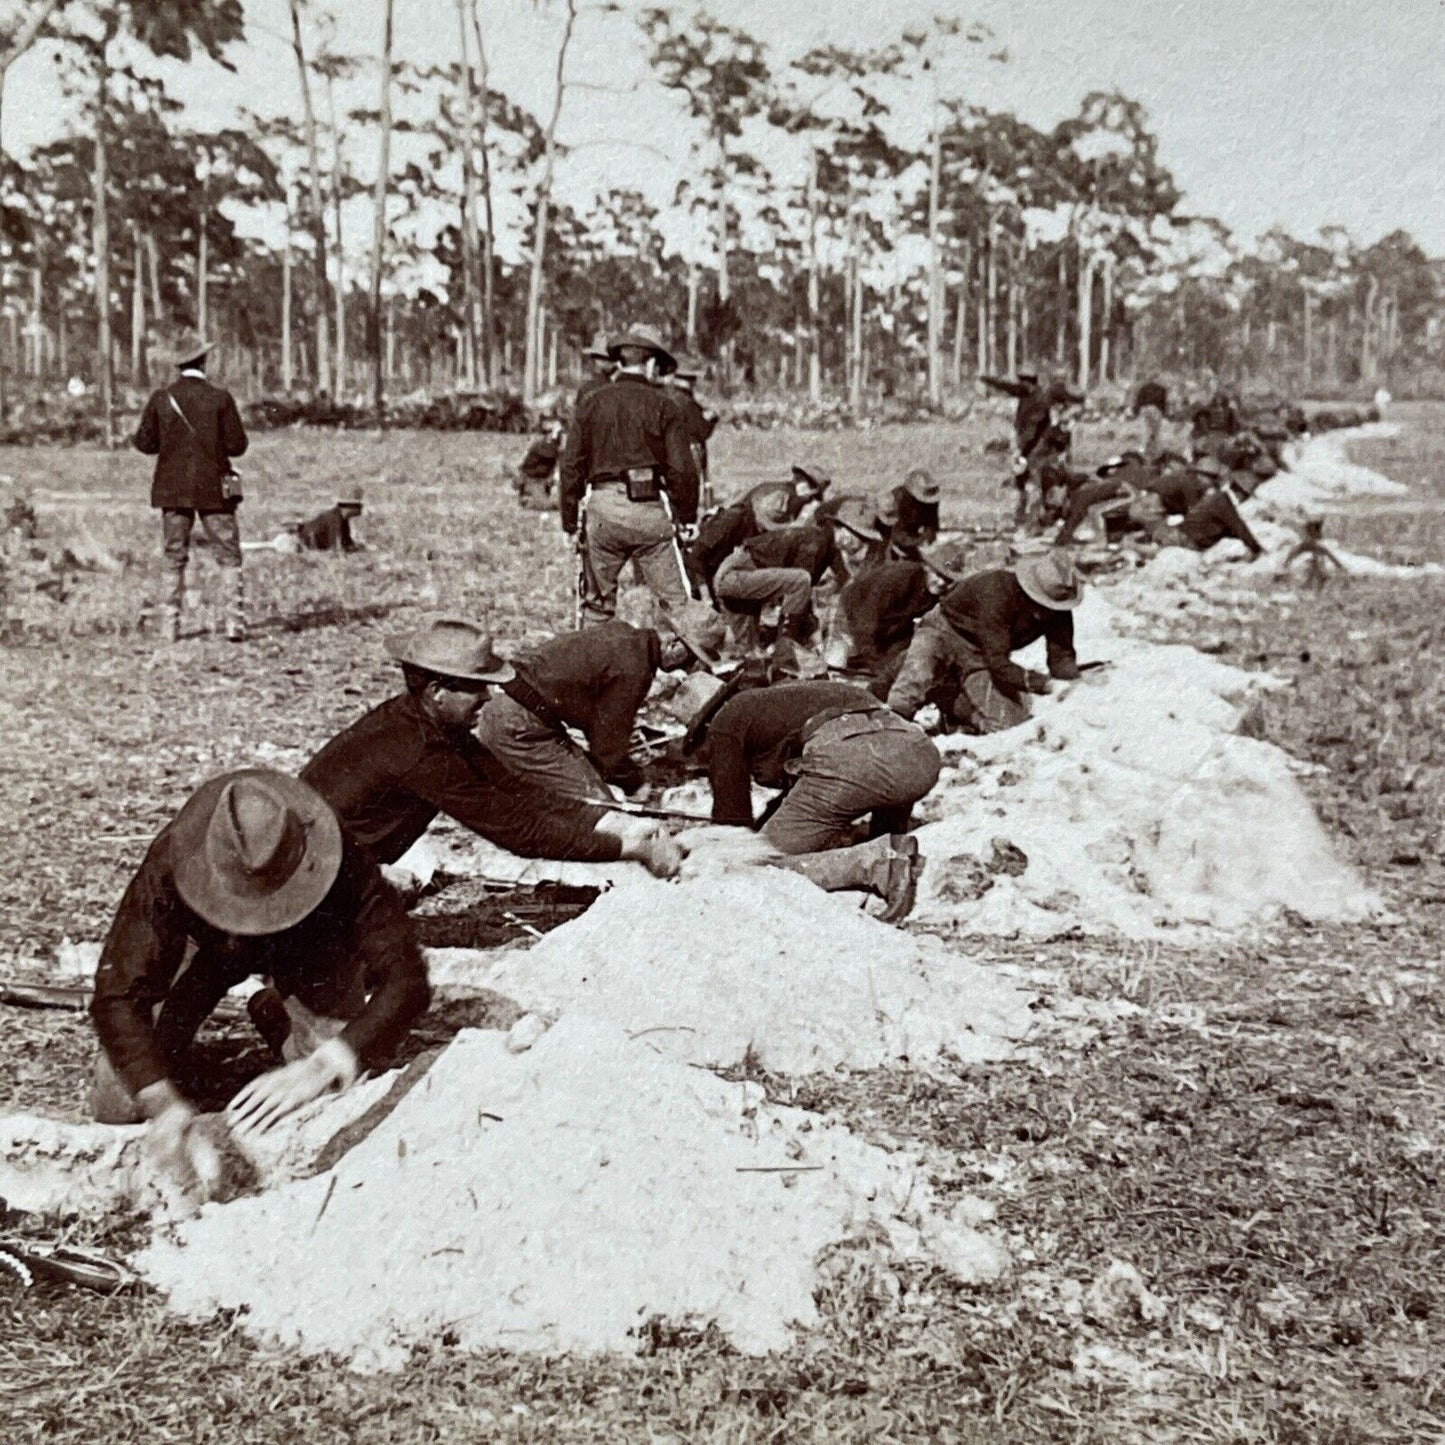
(603, 368)
(1151, 406)
(330, 531)
(1033, 425)
(1311, 546)
(807, 486)
(916, 503)
(537, 471)
(699, 422)
(627, 479)
(194, 429)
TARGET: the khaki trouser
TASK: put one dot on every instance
(537, 752)
(861, 763)
(742, 586)
(619, 532)
(223, 532)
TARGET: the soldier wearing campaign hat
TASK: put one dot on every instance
(628, 480)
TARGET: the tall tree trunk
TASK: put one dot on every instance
(980, 312)
(1106, 317)
(935, 260)
(960, 324)
(469, 205)
(336, 174)
(137, 311)
(317, 217)
(286, 376)
(37, 313)
(1309, 357)
(489, 232)
(203, 265)
(855, 372)
(532, 356)
(1369, 328)
(383, 186)
(991, 294)
(1061, 310)
(1087, 266)
(723, 223)
(692, 285)
(153, 266)
(100, 178)
(815, 338)
(1011, 306)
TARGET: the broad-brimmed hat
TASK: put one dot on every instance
(1051, 579)
(190, 346)
(1209, 466)
(644, 336)
(255, 851)
(920, 485)
(858, 517)
(772, 509)
(598, 350)
(814, 477)
(701, 630)
(350, 497)
(452, 647)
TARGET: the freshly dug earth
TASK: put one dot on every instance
(557, 1199)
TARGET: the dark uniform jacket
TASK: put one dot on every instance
(1151, 393)
(721, 534)
(628, 423)
(190, 461)
(1177, 490)
(1213, 519)
(541, 459)
(880, 607)
(917, 524)
(999, 617)
(594, 681)
(756, 733)
(1035, 411)
(391, 772)
(807, 547)
(328, 531)
(698, 423)
(361, 923)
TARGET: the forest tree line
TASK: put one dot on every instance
(914, 241)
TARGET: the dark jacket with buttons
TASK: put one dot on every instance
(193, 429)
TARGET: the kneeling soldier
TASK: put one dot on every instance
(840, 755)
(594, 681)
(256, 873)
(393, 770)
(330, 531)
(961, 652)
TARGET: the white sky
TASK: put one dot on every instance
(1298, 112)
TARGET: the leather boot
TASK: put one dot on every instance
(233, 589)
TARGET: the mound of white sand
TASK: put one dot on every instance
(556, 1200)
(1139, 808)
(1321, 472)
(706, 969)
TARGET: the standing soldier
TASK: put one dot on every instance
(602, 369)
(700, 424)
(193, 429)
(627, 479)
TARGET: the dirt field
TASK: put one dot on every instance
(1260, 1132)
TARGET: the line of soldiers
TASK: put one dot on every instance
(263, 874)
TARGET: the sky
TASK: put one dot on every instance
(1301, 113)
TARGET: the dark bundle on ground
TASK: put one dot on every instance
(493, 412)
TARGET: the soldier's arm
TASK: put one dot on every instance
(572, 473)
(730, 775)
(682, 479)
(1059, 643)
(234, 440)
(1008, 388)
(611, 734)
(147, 438)
(138, 963)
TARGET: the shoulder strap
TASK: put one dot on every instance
(176, 407)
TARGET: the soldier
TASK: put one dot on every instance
(254, 876)
(839, 755)
(807, 486)
(194, 429)
(700, 424)
(960, 655)
(330, 531)
(628, 480)
(779, 567)
(874, 619)
(392, 771)
(1151, 406)
(1033, 425)
(916, 504)
(603, 368)
(595, 682)
(537, 471)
